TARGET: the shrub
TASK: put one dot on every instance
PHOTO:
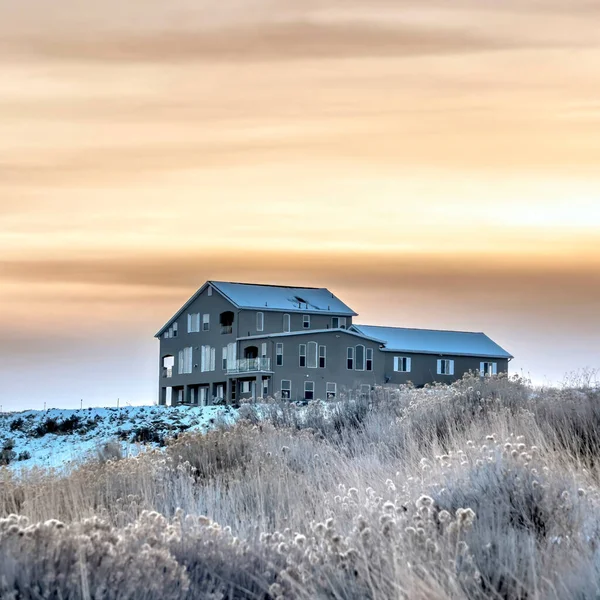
(17, 424)
(7, 454)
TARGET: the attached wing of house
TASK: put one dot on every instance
(432, 341)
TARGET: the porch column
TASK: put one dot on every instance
(186, 394)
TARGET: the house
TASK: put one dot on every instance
(231, 341)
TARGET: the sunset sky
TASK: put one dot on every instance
(434, 163)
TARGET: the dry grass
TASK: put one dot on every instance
(484, 489)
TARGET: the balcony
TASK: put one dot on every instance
(225, 329)
(249, 365)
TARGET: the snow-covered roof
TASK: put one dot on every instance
(433, 341)
(282, 298)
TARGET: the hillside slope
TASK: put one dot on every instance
(57, 438)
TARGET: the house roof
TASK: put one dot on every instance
(433, 341)
(282, 298)
(310, 332)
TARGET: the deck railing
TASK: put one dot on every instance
(249, 365)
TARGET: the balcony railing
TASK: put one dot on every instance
(167, 372)
(226, 329)
(249, 365)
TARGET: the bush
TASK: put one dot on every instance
(7, 454)
(17, 424)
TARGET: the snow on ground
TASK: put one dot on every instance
(58, 438)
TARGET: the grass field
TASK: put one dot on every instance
(484, 489)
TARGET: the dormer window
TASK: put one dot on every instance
(338, 322)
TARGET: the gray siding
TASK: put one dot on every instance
(424, 367)
(273, 322)
(213, 305)
(336, 371)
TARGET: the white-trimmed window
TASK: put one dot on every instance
(331, 389)
(185, 360)
(445, 366)
(287, 324)
(174, 329)
(220, 391)
(309, 390)
(302, 354)
(311, 360)
(206, 322)
(260, 321)
(224, 358)
(369, 361)
(338, 322)
(360, 358)
(207, 359)
(279, 354)
(265, 387)
(322, 357)
(350, 359)
(402, 364)
(246, 387)
(306, 321)
(286, 389)
(170, 332)
(193, 320)
(209, 291)
(488, 368)
(166, 334)
(231, 354)
(263, 350)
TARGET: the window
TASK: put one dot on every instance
(193, 322)
(286, 323)
(369, 359)
(246, 387)
(360, 358)
(331, 389)
(185, 360)
(220, 391)
(322, 356)
(302, 352)
(279, 354)
(224, 358)
(402, 364)
(286, 389)
(338, 322)
(166, 335)
(311, 361)
(205, 322)
(445, 367)
(231, 355)
(209, 291)
(488, 368)
(260, 321)
(265, 387)
(350, 359)
(232, 389)
(226, 321)
(309, 390)
(306, 321)
(263, 350)
(203, 396)
(170, 332)
(207, 359)
(174, 329)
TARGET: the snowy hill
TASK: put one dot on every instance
(58, 438)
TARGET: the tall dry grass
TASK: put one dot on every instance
(483, 489)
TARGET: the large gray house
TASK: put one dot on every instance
(237, 340)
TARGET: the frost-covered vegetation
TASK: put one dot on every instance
(484, 489)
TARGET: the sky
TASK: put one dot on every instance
(435, 164)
